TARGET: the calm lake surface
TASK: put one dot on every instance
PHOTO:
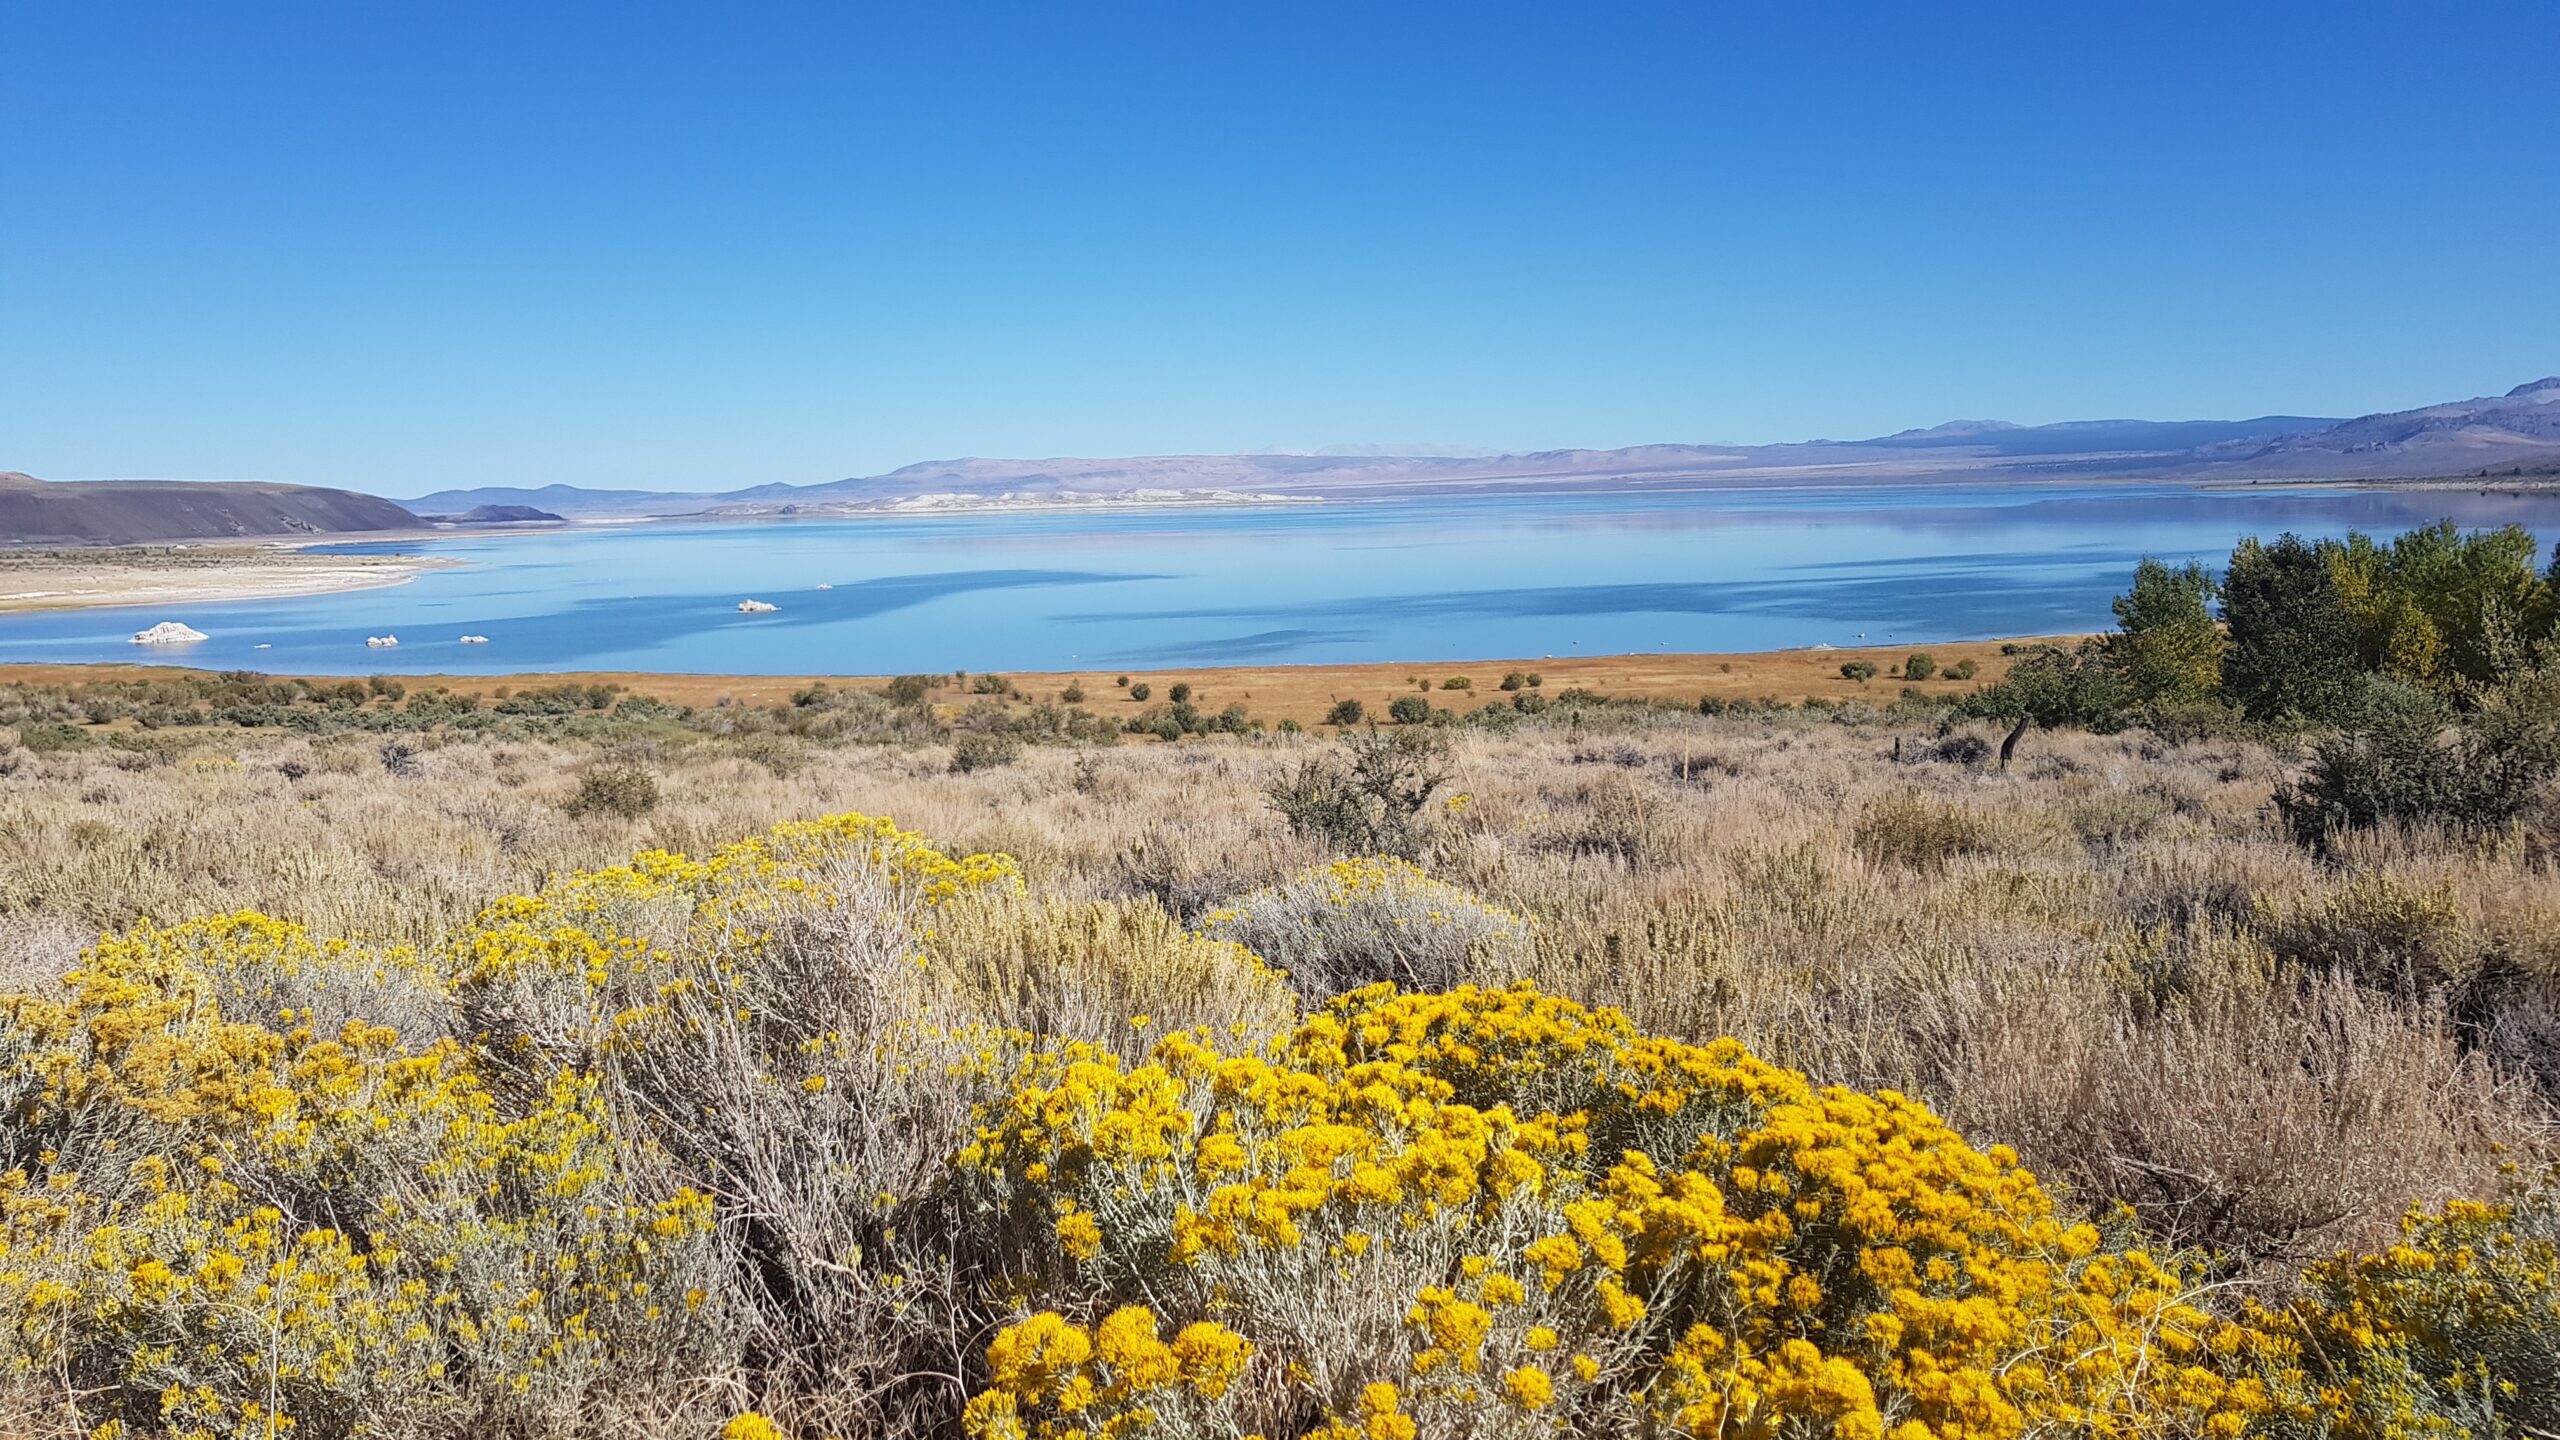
(1423, 579)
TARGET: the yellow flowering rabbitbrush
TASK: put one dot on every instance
(864, 1136)
(1497, 1212)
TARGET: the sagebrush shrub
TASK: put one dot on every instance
(624, 790)
(1369, 795)
(973, 750)
(2405, 758)
(1910, 828)
(1358, 921)
(1113, 975)
(2390, 935)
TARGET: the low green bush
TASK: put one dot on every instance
(973, 750)
(627, 791)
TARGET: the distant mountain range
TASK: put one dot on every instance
(2518, 432)
(2520, 429)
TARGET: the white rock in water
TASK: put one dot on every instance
(168, 632)
(756, 607)
(826, 587)
(382, 642)
(475, 639)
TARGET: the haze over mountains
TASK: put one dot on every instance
(2518, 429)
(2516, 432)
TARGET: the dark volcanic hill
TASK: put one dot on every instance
(137, 512)
(498, 515)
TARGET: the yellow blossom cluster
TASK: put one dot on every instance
(1440, 1210)
(588, 922)
(2452, 1331)
(1118, 1378)
(236, 1203)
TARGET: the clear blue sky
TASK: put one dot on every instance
(397, 246)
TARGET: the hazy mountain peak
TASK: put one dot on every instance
(2547, 386)
(1956, 427)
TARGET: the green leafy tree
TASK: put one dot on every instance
(2293, 641)
(2451, 611)
(2076, 689)
(2166, 648)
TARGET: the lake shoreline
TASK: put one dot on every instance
(1305, 693)
(166, 575)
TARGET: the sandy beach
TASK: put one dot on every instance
(176, 575)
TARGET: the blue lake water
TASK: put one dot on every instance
(1403, 580)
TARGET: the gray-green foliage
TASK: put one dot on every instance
(624, 790)
(1367, 796)
(1358, 922)
(2406, 757)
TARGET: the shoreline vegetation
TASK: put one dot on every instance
(192, 574)
(1306, 694)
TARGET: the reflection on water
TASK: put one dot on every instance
(1491, 577)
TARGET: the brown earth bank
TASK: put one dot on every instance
(1304, 693)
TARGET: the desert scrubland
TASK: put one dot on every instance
(1074, 1103)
